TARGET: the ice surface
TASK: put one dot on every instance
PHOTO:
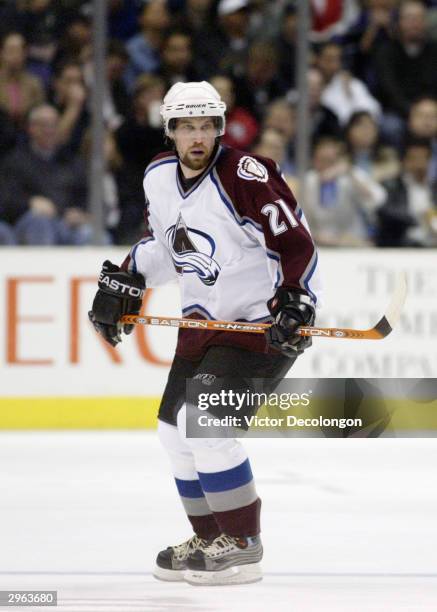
(348, 525)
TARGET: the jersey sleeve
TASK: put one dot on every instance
(269, 212)
(150, 256)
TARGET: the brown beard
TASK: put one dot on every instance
(197, 163)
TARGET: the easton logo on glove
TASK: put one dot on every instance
(120, 292)
(120, 288)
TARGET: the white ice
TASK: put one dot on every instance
(348, 525)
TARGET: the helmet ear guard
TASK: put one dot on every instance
(196, 99)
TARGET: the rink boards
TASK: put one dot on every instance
(56, 373)
(100, 413)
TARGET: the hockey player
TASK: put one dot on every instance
(226, 226)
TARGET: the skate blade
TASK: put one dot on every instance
(168, 575)
(238, 574)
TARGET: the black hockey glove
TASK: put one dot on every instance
(290, 311)
(119, 293)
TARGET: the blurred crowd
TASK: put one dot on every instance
(372, 87)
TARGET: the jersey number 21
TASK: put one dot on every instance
(272, 212)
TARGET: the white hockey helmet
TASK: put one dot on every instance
(196, 99)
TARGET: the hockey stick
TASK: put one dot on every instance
(382, 329)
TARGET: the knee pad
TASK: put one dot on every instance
(179, 453)
(168, 435)
(211, 454)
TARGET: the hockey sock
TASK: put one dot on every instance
(198, 511)
(232, 497)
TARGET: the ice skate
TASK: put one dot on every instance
(226, 560)
(171, 563)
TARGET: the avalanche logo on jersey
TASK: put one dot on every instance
(187, 258)
(251, 169)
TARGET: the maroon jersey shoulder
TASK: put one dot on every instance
(256, 194)
(234, 166)
(251, 180)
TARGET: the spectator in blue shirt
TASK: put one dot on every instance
(144, 48)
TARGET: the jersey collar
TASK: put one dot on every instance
(214, 157)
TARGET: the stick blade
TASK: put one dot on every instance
(393, 312)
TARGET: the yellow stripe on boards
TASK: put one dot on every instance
(141, 413)
(78, 412)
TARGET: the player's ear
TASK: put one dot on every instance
(169, 142)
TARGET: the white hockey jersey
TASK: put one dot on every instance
(234, 236)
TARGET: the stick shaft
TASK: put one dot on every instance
(251, 328)
(382, 329)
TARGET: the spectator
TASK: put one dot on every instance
(405, 65)
(378, 24)
(422, 123)
(286, 46)
(241, 127)
(138, 140)
(195, 16)
(273, 144)
(117, 102)
(266, 18)
(144, 48)
(177, 59)
(366, 152)
(76, 42)
(340, 200)
(374, 28)
(223, 46)
(343, 94)
(43, 191)
(323, 122)
(409, 216)
(69, 97)
(281, 116)
(19, 90)
(41, 22)
(261, 83)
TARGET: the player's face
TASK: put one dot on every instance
(195, 139)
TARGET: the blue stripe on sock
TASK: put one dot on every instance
(215, 482)
(189, 488)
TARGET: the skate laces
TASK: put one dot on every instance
(220, 545)
(182, 551)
